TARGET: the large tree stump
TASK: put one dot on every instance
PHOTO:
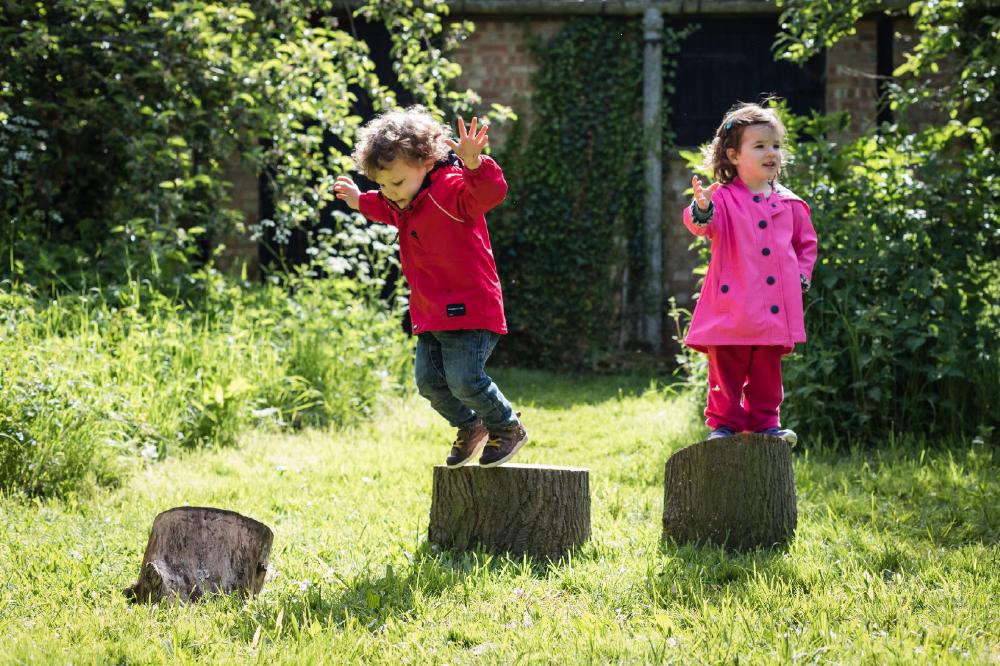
(193, 551)
(535, 509)
(737, 492)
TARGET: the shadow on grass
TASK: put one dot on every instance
(692, 573)
(371, 599)
(546, 390)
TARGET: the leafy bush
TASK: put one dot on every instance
(117, 120)
(904, 318)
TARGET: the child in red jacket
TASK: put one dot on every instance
(436, 192)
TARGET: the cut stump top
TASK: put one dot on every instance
(517, 466)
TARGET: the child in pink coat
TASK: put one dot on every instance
(749, 313)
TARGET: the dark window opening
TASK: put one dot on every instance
(730, 60)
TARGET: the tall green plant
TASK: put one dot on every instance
(92, 384)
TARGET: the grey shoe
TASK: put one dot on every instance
(502, 445)
(781, 433)
(720, 432)
(468, 444)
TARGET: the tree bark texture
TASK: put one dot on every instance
(737, 492)
(194, 551)
(537, 510)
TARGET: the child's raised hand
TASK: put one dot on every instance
(470, 144)
(347, 191)
(703, 195)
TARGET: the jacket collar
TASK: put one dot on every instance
(450, 160)
(778, 191)
(738, 182)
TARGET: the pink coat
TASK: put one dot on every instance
(752, 294)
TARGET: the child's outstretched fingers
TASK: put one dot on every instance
(470, 143)
(345, 190)
(703, 195)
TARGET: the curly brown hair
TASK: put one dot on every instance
(411, 133)
(730, 135)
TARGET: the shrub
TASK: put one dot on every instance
(903, 317)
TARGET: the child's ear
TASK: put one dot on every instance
(429, 163)
(731, 155)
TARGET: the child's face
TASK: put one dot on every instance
(401, 180)
(759, 156)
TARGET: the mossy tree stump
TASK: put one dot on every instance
(193, 551)
(537, 510)
(738, 492)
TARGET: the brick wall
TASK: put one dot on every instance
(496, 62)
(244, 197)
(851, 83)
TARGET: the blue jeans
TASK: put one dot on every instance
(450, 374)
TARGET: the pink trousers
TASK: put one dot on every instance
(744, 387)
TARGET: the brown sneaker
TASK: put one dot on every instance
(468, 444)
(503, 444)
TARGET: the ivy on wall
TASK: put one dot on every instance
(568, 240)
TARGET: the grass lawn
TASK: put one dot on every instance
(896, 558)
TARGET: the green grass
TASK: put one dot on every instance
(92, 384)
(896, 558)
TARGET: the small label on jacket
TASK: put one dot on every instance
(455, 309)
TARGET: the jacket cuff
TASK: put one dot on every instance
(486, 164)
(700, 217)
(373, 207)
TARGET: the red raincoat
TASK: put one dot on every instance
(445, 247)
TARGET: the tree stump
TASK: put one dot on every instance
(737, 492)
(193, 551)
(537, 510)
